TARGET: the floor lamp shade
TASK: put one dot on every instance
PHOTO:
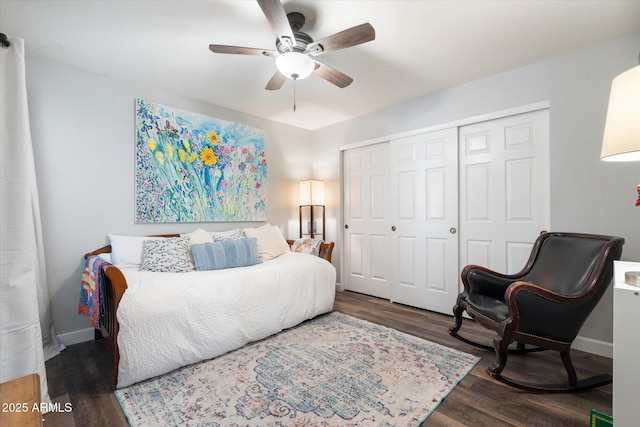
(311, 192)
(621, 140)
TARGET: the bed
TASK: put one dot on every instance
(160, 321)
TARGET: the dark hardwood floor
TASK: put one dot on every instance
(83, 376)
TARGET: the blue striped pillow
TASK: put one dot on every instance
(226, 254)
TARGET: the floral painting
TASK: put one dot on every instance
(194, 168)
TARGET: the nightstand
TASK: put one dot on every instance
(17, 399)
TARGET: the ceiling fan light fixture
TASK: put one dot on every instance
(295, 65)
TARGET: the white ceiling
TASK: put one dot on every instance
(420, 46)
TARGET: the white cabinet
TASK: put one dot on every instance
(626, 347)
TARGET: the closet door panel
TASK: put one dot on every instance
(406, 261)
(478, 193)
(379, 258)
(436, 262)
(366, 218)
(504, 199)
(425, 216)
(356, 255)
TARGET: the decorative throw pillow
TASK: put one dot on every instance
(307, 246)
(225, 254)
(167, 255)
(271, 242)
(233, 234)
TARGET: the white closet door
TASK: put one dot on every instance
(424, 244)
(504, 189)
(366, 216)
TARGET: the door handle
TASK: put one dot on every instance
(393, 228)
(346, 226)
(453, 230)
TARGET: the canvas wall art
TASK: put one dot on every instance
(194, 168)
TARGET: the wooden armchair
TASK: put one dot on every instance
(544, 305)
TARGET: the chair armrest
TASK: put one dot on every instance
(511, 294)
(481, 280)
(545, 313)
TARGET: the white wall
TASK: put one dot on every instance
(83, 136)
(587, 195)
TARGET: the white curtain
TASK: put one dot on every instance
(26, 331)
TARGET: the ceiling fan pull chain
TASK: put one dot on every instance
(294, 95)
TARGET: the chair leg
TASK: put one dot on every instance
(453, 331)
(572, 378)
(500, 345)
(457, 315)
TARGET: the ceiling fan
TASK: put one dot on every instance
(296, 51)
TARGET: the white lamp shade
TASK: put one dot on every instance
(311, 192)
(621, 140)
(295, 65)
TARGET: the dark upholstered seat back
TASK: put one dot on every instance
(564, 264)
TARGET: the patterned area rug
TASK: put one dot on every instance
(334, 370)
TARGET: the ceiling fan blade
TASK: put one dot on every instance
(350, 37)
(277, 17)
(332, 75)
(238, 50)
(276, 81)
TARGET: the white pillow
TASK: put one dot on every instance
(198, 236)
(106, 257)
(271, 242)
(126, 251)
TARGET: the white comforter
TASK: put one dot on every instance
(169, 320)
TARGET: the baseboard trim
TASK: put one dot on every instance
(76, 337)
(590, 345)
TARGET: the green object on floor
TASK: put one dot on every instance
(600, 419)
